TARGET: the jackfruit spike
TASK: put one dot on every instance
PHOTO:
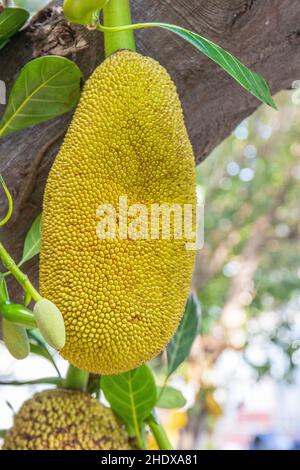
(122, 300)
(15, 339)
(50, 323)
(65, 420)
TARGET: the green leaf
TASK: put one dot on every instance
(46, 380)
(180, 346)
(38, 346)
(169, 397)
(32, 243)
(251, 81)
(132, 395)
(40, 351)
(46, 88)
(11, 20)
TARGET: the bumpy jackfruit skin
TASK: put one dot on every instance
(121, 300)
(65, 420)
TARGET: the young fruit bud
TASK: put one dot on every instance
(18, 314)
(50, 323)
(15, 339)
(77, 11)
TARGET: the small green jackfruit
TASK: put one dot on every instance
(122, 298)
(50, 322)
(82, 12)
(15, 339)
(65, 420)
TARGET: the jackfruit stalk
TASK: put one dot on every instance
(121, 299)
(65, 420)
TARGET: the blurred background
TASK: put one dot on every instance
(241, 382)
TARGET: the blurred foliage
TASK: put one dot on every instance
(250, 185)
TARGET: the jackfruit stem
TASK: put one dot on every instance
(117, 13)
(159, 434)
(20, 277)
(76, 379)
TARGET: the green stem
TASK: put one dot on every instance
(76, 379)
(163, 386)
(47, 380)
(9, 200)
(106, 29)
(3, 289)
(160, 434)
(20, 277)
(117, 13)
(138, 436)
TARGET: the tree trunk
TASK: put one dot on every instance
(264, 34)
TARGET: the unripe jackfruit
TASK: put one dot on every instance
(65, 420)
(15, 339)
(121, 299)
(50, 323)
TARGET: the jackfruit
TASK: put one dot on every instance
(121, 299)
(65, 420)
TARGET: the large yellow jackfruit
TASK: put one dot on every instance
(65, 420)
(121, 299)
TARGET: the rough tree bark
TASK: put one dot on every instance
(264, 34)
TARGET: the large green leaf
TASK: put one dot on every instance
(179, 347)
(169, 397)
(11, 20)
(46, 88)
(132, 395)
(32, 243)
(251, 81)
